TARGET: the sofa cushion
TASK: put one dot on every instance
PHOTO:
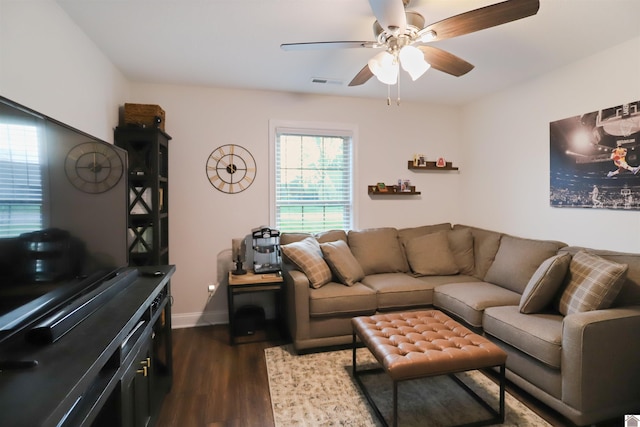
(538, 335)
(469, 300)
(342, 262)
(287, 238)
(517, 259)
(378, 250)
(485, 247)
(331, 236)
(335, 299)
(544, 284)
(399, 290)
(430, 255)
(592, 283)
(307, 256)
(406, 234)
(443, 280)
(325, 236)
(461, 244)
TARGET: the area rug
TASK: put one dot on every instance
(317, 389)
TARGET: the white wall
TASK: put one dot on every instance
(203, 220)
(48, 64)
(506, 152)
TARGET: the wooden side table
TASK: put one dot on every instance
(255, 283)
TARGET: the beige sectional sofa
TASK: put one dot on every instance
(568, 317)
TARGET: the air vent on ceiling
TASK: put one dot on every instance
(326, 81)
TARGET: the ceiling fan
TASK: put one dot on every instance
(404, 38)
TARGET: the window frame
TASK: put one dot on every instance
(320, 128)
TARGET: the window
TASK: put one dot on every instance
(312, 177)
(20, 180)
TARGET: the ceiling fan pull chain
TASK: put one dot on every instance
(388, 95)
(398, 93)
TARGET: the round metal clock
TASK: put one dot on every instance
(231, 168)
(93, 167)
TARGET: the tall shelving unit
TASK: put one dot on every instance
(148, 227)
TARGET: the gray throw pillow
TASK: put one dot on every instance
(342, 262)
(544, 284)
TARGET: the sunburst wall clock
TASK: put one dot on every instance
(231, 168)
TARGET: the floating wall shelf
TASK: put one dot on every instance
(431, 166)
(392, 190)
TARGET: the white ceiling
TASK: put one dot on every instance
(236, 44)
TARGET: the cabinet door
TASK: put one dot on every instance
(136, 390)
(161, 358)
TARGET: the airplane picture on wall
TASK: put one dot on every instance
(595, 159)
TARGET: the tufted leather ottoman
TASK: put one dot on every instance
(418, 344)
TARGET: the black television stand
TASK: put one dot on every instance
(112, 369)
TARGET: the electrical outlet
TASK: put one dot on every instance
(212, 288)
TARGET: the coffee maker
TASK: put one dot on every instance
(263, 250)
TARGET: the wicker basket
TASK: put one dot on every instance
(144, 115)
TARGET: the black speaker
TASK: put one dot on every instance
(248, 319)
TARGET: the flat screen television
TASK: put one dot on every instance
(63, 216)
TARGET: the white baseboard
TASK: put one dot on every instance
(193, 320)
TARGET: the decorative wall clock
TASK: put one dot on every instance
(93, 167)
(231, 168)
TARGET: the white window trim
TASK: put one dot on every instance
(323, 127)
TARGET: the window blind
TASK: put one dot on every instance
(20, 180)
(313, 180)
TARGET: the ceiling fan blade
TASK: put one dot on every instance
(390, 15)
(362, 77)
(444, 61)
(485, 17)
(328, 45)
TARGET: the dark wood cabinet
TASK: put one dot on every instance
(113, 369)
(136, 388)
(148, 150)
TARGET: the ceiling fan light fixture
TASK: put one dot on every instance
(385, 67)
(412, 61)
(427, 36)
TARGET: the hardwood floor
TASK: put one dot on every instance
(216, 384)
(219, 385)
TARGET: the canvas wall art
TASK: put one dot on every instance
(595, 159)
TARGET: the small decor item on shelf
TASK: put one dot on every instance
(238, 250)
(419, 160)
(404, 184)
(382, 187)
(441, 162)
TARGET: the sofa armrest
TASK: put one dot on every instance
(600, 353)
(297, 297)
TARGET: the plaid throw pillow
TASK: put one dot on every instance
(307, 256)
(593, 283)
